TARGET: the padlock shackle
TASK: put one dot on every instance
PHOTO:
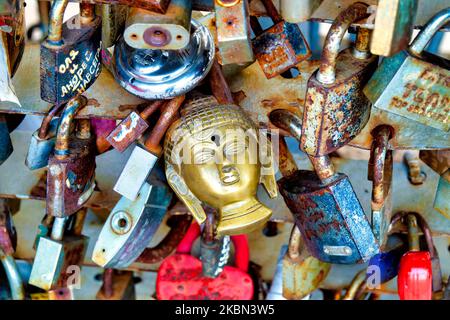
(168, 115)
(240, 242)
(287, 121)
(56, 20)
(63, 133)
(357, 286)
(13, 275)
(421, 222)
(151, 108)
(219, 86)
(424, 37)
(43, 129)
(327, 69)
(382, 165)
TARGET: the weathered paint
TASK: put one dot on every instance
(127, 131)
(330, 218)
(280, 48)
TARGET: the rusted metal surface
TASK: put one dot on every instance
(8, 237)
(329, 10)
(286, 162)
(106, 98)
(336, 109)
(259, 95)
(117, 285)
(233, 34)
(219, 86)
(438, 160)
(71, 168)
(101, 128)
(179, 225)
(159, 6)
(380, 173)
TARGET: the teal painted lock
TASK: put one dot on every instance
(414, 83)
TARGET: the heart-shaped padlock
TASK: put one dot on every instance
(180, 275)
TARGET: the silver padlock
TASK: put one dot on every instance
(164, 74)
(55, 254)
(13, 275)
(131, 226)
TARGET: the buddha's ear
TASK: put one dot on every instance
(267, 175)
(178, 185)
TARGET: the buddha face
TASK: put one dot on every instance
(222, 166)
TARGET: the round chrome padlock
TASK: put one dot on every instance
(165, 74)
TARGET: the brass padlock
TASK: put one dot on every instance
(70, 55)
(415, 84)
(169, 31)
(71, 165)
(336, 109)
(201, 157)
(302, 272)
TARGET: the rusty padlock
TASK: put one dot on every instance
(70, 55)
(380, 173)
(169, 31)
(280, 47)
(336, 109)
(71, 166)
(414, 84)
(325, 206)
(302, 273)
(233, 32)
(132, 127)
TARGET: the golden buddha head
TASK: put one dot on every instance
(215, 155)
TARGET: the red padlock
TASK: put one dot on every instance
(419, 271)
(180, 275)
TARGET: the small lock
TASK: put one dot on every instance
(169, 31)
(164, 74)
(394, 23)
(414, 84)
(144, 156)
(131, 226)
(325, 207)
(233, 32)
(42, 142)
(54, 256)
(70, 55)
(336, 109)
(280, 47)
(71, 166)
(380, 173)
(419, 271)
(302, 273)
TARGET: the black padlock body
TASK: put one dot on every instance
(70, 179)
(71, 67)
